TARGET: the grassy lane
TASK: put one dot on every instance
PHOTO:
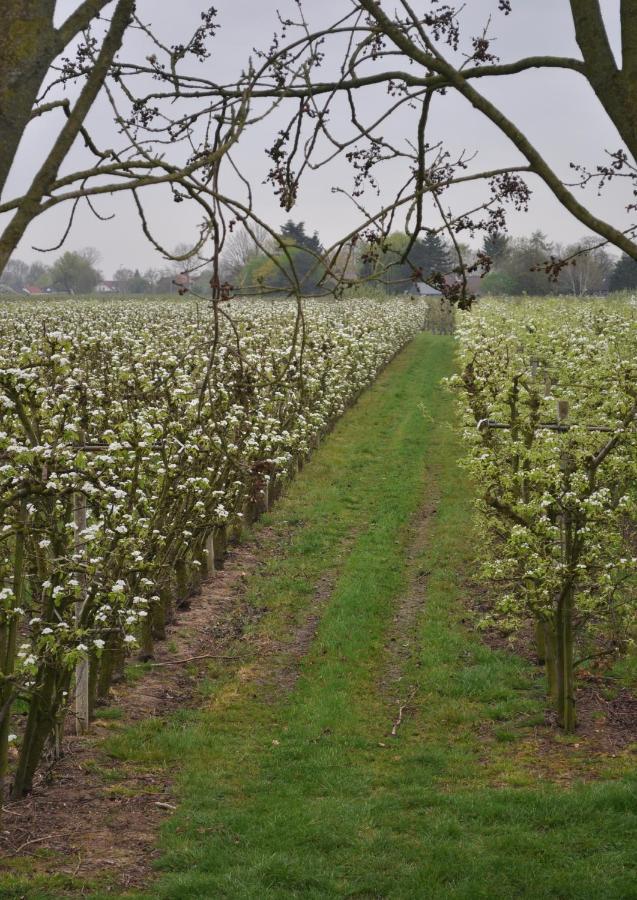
(292, 772)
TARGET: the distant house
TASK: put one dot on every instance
(106, 287)
(426, 290)
(32, 289)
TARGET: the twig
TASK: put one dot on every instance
(165, 805)
(611, 652)
(176, 662)
(401, 710)
(32, 841)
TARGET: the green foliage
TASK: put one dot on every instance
(299, 267)
(499, 284)
(555, 502)
(283, 272)
(624, 276)
(428, 256)
(74, 273)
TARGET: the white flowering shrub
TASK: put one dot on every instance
(129, 432)
(548, 395)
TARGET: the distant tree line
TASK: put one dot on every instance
(77, 272)
(254, 263)
(519, 266)
(70, 273)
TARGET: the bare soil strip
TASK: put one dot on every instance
(606, 715)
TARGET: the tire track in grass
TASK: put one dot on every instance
(398, 681)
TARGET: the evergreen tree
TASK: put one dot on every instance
(430, 254)
(624, 277)
(281, 270)
(294, 232)
(496, 245)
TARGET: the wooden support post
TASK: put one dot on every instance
(82, 670)
(547, 384)
(147, 648)
(562, 411)
(105, 675)
(210, 553)
(261, 499)
(220, 541)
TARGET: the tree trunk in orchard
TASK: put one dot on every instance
(564, 619)
(565, 674)
(83, 668)
(540, 642)
(8, 642)
(40, 724)
(550, 659)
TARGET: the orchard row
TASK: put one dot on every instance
(549, 397)
(133, 435)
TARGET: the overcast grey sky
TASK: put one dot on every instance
(555, 109)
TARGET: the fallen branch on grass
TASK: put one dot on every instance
(177, 662)
(401, 711)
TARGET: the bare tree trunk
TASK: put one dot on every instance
(18, 110)
(616, 88)
(565, 674)
(27, 48)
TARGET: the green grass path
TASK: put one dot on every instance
(302, 792)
